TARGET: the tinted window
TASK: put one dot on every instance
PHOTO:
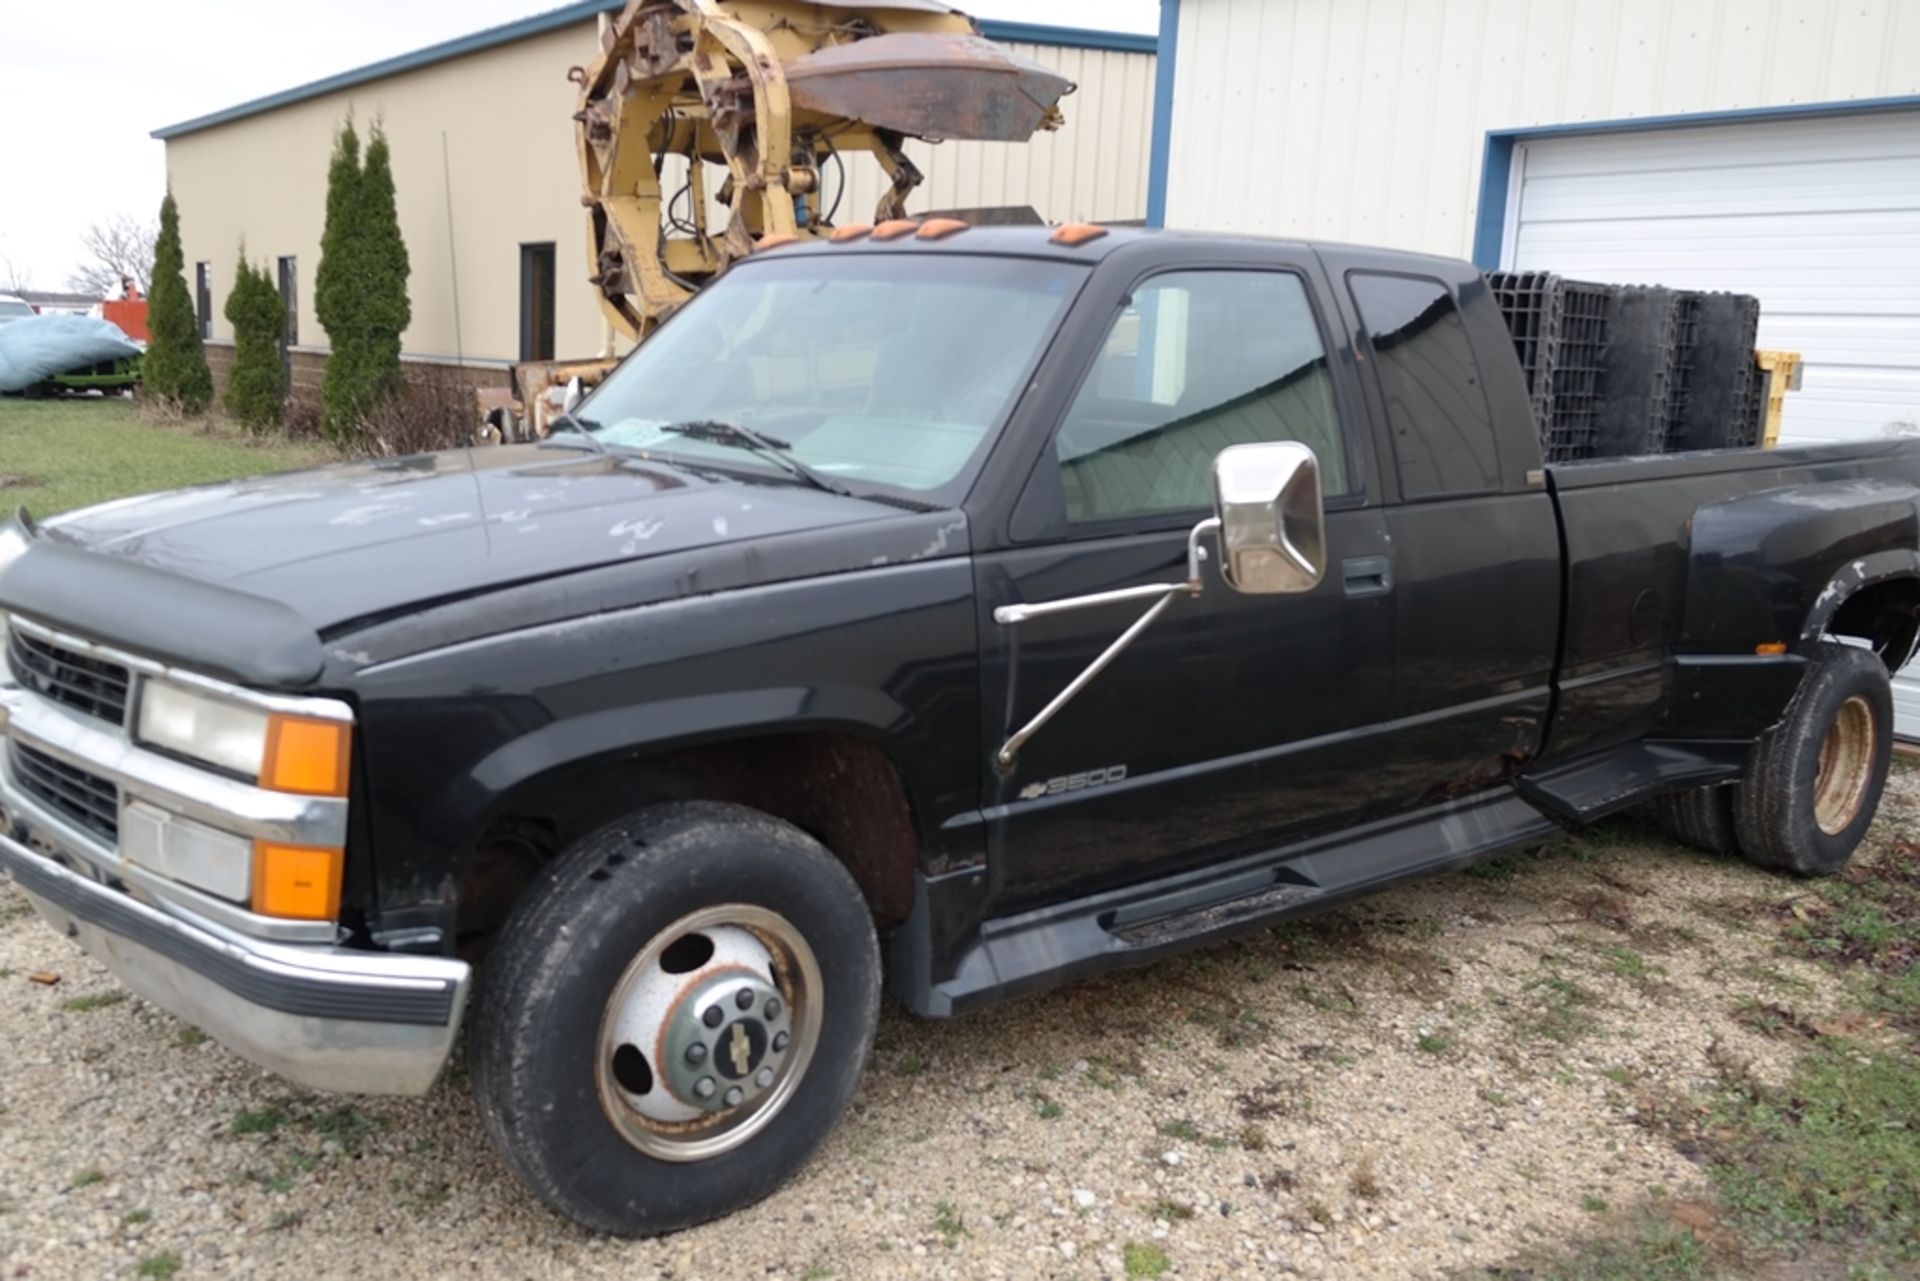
(1198, 361)
(1442, 431)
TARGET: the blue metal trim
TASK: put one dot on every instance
(1490, 227)
(1007, 32)
(1066, 37)
(1496, 167)
(1161, 153)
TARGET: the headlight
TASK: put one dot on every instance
(287, 753)
(207, 729)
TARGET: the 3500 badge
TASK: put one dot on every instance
(1073, 782)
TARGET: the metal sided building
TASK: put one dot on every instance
(488, 187)
(1768, 147)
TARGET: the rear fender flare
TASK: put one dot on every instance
(1867, 571)
(1775, 566)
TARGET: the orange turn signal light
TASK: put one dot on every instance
(306, 755)
(853, 232)
(894, 228)
(774, 242)
(1771, 648)
(297, 882)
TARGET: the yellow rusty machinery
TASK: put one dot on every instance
(709, 127)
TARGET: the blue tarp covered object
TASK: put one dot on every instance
(35, 348)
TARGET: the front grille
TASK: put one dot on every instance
(90, 685)
(73, 793)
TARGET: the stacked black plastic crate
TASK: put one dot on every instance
(1559, 330)
(1618, 370)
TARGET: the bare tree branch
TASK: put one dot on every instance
(116, 247)
(12, 278)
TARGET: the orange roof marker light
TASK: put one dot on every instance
(854, 232)
(1075, 234)
(894, 228)
(940, 228)
(774, 242)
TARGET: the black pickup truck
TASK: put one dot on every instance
(975, 609)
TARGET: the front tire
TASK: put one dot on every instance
(678, 1013)
(1813, 782)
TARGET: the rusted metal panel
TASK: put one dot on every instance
(922, 6)
(928, 85)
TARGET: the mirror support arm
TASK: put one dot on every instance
(1011, 615)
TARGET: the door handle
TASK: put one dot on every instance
(1367, 575)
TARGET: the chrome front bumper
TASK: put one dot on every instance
(326, 1017)
(329, 1019)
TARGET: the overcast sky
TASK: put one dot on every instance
(83, 86)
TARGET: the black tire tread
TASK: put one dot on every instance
(1701, 818)
(1774, 796)
(522, 977)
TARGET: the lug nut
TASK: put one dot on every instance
(704, 1087)
(744, 998)
(763, 1078)
(779, 1042)
(734, 1096)
(773, 1007)
(713, 1016)
(697, 1053)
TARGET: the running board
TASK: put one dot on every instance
(1138, 924)
(1200, 922)
(1592, 788)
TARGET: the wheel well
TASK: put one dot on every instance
(1886, 615)
(839, 788)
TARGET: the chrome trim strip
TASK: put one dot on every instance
(330, 709)
(193, 906)
(197, 793)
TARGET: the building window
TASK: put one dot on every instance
(536, 301)
(290, 301)
(203, 297)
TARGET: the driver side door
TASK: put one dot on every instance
(1235, 722)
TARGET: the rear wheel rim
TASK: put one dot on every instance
(681, 1085)
(1845, 766)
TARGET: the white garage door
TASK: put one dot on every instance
(1819, 217)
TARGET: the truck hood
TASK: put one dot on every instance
(358, 541)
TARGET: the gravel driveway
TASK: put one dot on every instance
(1431, 1081)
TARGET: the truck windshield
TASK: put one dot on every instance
(871, 370)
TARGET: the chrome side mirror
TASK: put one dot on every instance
(1272, 524)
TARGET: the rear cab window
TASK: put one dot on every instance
(1444, 444)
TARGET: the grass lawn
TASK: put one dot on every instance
(59, 454)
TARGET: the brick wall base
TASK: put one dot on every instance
(309, 367)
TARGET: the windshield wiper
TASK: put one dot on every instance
(573, 427)
(723, 433)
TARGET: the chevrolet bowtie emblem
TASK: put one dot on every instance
(741, 1049)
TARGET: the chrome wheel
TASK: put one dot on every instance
(708, 1032)
(1845, 766)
